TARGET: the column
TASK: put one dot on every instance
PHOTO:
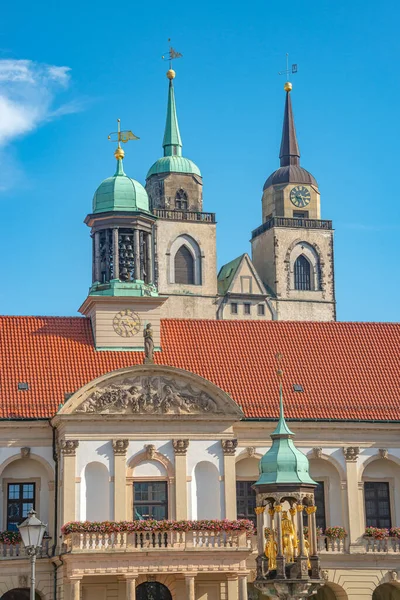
(190, 587)
(75, 589)
(131, 588)
(136, 252)
(312, 529)
(300, 529)
(149, 257)
(280, 559)
(229, 450)
(115, 253)
(97, 274)
(354, 509)
(293, 513)
(68, 453)
(242, 587)
(180, 449)
(120, 448)
(232, 585)
(260, 529)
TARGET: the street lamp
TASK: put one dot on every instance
(32, 532)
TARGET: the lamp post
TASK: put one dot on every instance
(32, 532)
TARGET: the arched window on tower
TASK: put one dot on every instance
(184, 266)
(302, 273)
(181, 200)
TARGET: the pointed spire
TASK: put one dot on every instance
(290, 152)
(281, 428)
(172, 142)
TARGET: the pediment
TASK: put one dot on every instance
(152, 391)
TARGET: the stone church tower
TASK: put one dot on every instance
(185, 236)
(292, 250)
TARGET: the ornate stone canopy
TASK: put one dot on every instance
(151, 391)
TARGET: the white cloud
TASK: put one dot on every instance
(27, 96)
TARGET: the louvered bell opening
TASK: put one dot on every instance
(184, 266)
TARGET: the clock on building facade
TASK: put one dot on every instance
(300, 196)
(126, 323)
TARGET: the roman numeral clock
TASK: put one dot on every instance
(300, 196)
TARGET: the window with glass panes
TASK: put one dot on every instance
(319, 497)
(245, 500)
(150, 500)
(377, 504)
(20, 500)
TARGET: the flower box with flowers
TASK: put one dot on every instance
(336, 532)
(10, 538)
(378, 533)
(108, 527)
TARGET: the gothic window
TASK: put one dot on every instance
(184, 266)
(20, 500)
(181, 200)
(245, 500)
(302, 274)
(150, 499)
(377, 504)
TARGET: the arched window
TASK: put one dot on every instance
(153, 590)
(181, 200)
(184, 266)
(302, 273)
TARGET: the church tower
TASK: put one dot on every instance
(123, 297)
(292, 250)
(185, 236)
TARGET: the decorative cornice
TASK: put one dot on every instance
(180, 446)
(229, 446)
(120, 447)
(351, 453)
(68, 447)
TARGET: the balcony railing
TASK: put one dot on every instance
(8, 551)
(327, 544)
(184, 215)
(390, 544)
(169, 540)
(292, 222)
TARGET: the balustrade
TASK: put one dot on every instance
(184, 215)
(8, 551)
(171, 540)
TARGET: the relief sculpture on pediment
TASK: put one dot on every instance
(148, 395)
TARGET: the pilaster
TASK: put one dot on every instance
(180, 449)
(229, 450)
(120, 448)
(68, 453)
(190, 587)
(354, 513)
(232, 587)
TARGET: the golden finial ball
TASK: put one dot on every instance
(288, 86)
(171, 74)
(119, 154)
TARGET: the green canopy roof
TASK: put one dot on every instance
(283, 462)
(120, 193)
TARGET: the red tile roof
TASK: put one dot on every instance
(347, 370)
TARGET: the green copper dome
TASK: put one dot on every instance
(172, 161)
(173, 164)
(120, 193)
(283, 462)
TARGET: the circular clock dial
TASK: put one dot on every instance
(126, 323)
(300, 196)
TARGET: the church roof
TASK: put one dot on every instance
(348, 371)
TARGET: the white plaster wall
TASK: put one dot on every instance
(87, 452)
(206, 491)
(150, 468)
(209, 451)
(95, 493)
(323, 470)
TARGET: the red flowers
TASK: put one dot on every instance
(159, 526)
(11, 538)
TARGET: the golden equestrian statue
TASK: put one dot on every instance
(289, 537)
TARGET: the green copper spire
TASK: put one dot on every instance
(283, 462)
(172, 142)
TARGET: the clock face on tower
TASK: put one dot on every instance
(300, 196)
(126, 323)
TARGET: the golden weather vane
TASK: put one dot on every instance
(122, 136)
(172, 54)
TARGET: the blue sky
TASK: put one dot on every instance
(89, 63)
